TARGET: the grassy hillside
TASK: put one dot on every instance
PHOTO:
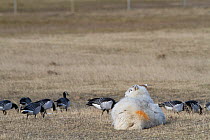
(101, 54)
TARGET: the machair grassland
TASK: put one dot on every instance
(101, 54)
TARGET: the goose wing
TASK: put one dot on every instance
(172, 103)
(43, 101)
(31, 106)
(178, 107)
(107, 104)
(93, 101)
(25, 100)
(63, 102)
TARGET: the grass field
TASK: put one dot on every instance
(101, 54)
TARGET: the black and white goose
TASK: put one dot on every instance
(192, 106)
(63, 103)
(33, 109)
(170, 105)
(104, 104)
(7, 105)
(24, 102)
(46, 104)
(207, 106)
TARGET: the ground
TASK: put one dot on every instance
(101, 54)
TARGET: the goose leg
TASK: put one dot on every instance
(43, 115)
(200, 110)
(21, 107)
(102, 112)
(27, 116)
(4, 112)
(101, 115)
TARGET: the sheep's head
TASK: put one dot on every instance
(137, 90)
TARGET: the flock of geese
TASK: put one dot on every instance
(33, 108)
(191, 106)
(188, 106)
(105, 104)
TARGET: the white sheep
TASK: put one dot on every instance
(136, 110)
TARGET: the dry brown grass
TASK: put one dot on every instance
(101, 54)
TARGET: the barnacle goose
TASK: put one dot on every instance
(24, 101)
(33, 109)
(170, 105)
(7, 105)
(207, 106)
(192, 106)
(104, 104)
(63, 103)
(46, 104)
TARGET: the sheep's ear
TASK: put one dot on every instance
(144, 85)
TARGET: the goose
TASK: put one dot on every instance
(192, 106)
(46, 104)
(7, 105)
(104, 104)
(63, 103)
(24, 101)
(207, 106)
(33, 109)
(170, 105)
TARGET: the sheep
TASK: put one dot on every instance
(136, 110)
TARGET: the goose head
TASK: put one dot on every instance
(65, 93)
(15, 107)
